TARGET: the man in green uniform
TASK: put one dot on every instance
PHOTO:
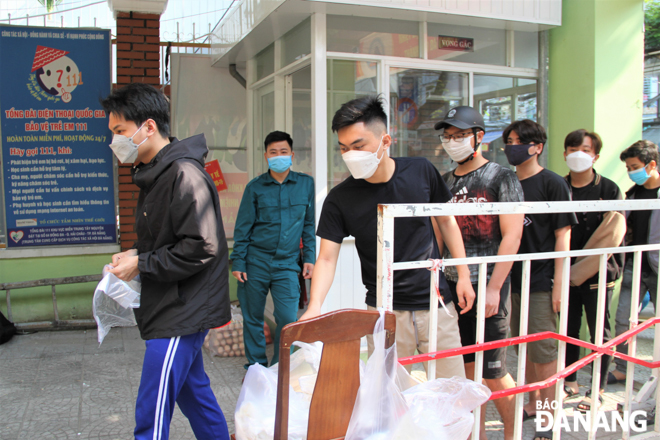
(276, 211)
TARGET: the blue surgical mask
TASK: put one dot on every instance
(639, 176)
(279, 164)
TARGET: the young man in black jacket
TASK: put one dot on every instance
(181, 257)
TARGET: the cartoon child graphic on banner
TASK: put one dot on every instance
(56, 73)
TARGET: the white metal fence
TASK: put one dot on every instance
(385, 290)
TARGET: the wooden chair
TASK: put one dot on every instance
(339, 372)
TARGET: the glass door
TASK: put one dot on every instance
(264, 123)
(299, 117)
(502, 100)
(419, 99)
(347, 80)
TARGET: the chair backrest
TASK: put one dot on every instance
(339, 370)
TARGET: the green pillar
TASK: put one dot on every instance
(596, 79)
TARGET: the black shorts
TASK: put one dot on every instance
(497, 328)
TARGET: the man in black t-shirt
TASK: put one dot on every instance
(641, 160)
(351, 209)
(593, 230)
(525, 140)
(476, 180)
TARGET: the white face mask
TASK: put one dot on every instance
(362, 164)
(124, 148)
(459, 150)
(579, 161)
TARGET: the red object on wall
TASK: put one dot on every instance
(213, 168)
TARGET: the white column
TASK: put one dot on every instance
(319, 113)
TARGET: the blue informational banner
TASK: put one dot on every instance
(57, 168)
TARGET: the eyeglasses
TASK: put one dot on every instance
(458, 137)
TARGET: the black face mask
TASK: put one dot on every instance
(517, 154)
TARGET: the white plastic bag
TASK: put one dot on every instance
(391, 405)
(113, 303)
(441, 409)
(379, 405)
(255, 409)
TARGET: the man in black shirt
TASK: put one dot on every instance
(351, 209)
(476, 180)
(641, 160)
(542, 233)
(593, 230)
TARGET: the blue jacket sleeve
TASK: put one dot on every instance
(247, 215)
(308, 236)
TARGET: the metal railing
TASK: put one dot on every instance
(385, 291)
(56, 323)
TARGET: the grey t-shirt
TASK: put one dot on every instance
(481, 233)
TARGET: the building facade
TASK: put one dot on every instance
(289, 64)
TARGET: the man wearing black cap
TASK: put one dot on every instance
(476, 180)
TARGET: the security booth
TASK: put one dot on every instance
(301, 60)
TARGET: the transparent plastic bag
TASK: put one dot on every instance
(126, 293)
(255, 409)
(379, 405)
(113, 303)
(441, 409)
(392, 405)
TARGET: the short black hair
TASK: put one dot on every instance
(528, 131)
(575, 139)
(277, 136)
(138, 102)
(367, 109)
(644, 150)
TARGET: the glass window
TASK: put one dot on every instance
(419, 99)
(346, 80)
(497, 99)
(265, 61)
(301, 119)
(526, 49)
(297, 43)
(651, 111)
(466, 44)
(373, 36)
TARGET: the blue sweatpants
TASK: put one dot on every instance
(173, 371)
(285, 290)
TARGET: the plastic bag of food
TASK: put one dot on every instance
(440, 409)
(113, 303)
(255, 409)
(379, 405)
(390, 406)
